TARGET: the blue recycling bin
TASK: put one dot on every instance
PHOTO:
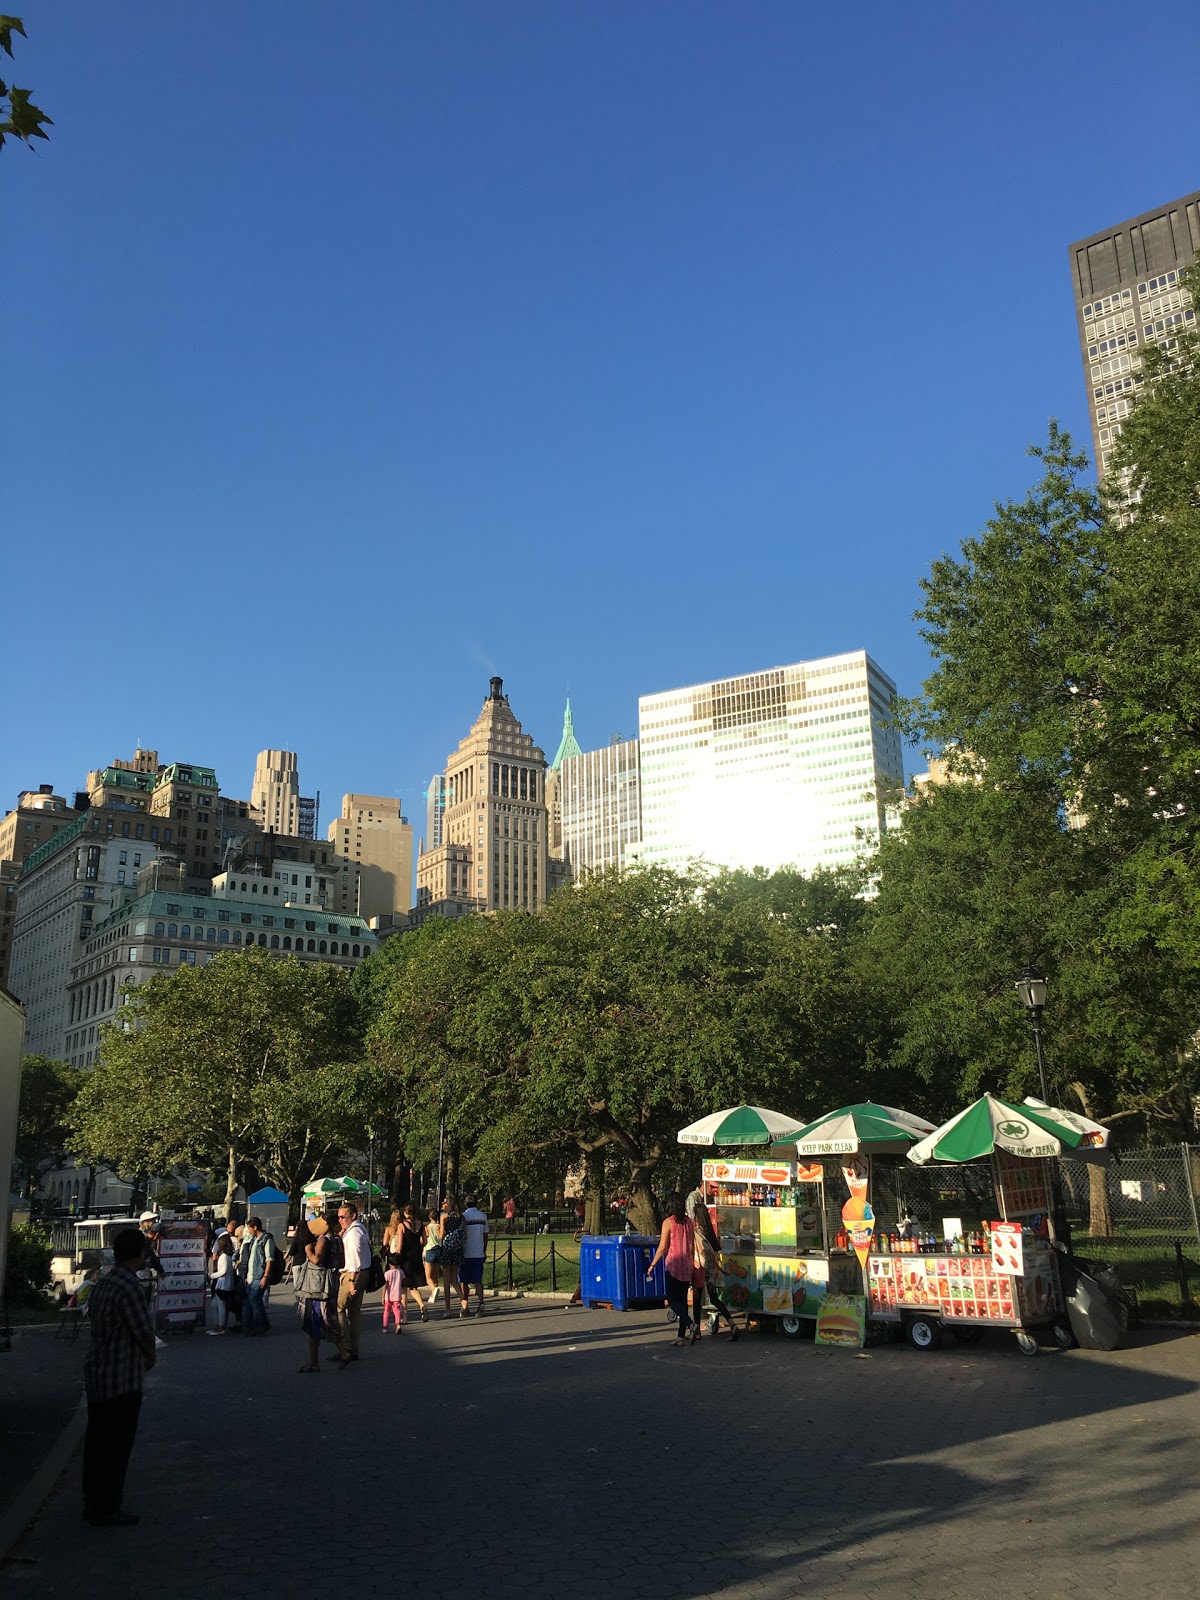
(612, 1271)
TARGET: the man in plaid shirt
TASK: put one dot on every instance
(119, 1356)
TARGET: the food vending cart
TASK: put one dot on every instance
(777, 1259)
(1005, 1273)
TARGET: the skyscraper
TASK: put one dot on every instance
(275, 796)
(783, 767)
(376, 845)
(493, 854)
(435, 810)
(1128, 295)
(600, 804)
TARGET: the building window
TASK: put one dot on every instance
(224, 936)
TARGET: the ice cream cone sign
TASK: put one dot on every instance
(855, 1171)
(859, 1218)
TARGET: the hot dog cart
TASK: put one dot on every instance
(1005, 1273)
(779, 1256)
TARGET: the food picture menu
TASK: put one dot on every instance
(955, 1286)
(1023, 1183)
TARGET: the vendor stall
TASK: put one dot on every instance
(1004, 1273)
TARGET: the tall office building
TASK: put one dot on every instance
(777, 768)
(1128, 295)
(435, 810)
(275, 796)
(375, 843)
(38, 815)
(568, 746)
(493, 855)
(600, 803)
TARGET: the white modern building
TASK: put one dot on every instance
(791, 766)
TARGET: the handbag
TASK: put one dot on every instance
(310, 1282)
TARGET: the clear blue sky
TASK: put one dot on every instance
(356, 352)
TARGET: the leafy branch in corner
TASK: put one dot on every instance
(25, 120)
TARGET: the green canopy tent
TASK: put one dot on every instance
(863, 1129)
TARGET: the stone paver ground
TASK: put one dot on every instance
(40, 1384)
(576, 1453)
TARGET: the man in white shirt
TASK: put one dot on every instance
(470, 1271)
(356, 1245)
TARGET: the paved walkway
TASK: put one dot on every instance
(576, 1453)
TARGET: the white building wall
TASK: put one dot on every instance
(776, 768)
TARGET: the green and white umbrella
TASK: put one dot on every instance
(324, 1186)
(1095, 1136)
(992, 1124)
(339, 1186)
(867, 1129)
(741, 1125)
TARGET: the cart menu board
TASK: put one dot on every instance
(779, 1284)
(1022, 1185)
(955, 1286)
(770, 1172)
(181, 1249)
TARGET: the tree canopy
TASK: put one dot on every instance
(247, 1060)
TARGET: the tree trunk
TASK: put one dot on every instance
(643, 1204)
(593, 1191)
(231, 1181)
(1100, 1224)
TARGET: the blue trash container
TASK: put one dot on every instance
(612, 1271)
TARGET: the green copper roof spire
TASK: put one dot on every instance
(569, 745)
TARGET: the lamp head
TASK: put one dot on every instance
(1032, 987)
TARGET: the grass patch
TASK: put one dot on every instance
(1146, 1262)
(531, 1263)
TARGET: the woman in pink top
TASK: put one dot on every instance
(676, 1245)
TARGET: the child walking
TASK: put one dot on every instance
(393, 1298)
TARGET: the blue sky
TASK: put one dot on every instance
(355, 353)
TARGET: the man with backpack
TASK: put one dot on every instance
(256, 1267)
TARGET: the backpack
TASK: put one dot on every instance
(278, 1266)
(452, 1245)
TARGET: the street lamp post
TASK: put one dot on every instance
(1032, 989)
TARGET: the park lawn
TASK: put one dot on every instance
(531, 1262)
(1146, 1262)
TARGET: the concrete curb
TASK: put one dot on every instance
(37, 1491)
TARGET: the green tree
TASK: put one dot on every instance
(48, 1090)
(1066, 694)
(249, 1060)
(626, 1008)
(24, 120)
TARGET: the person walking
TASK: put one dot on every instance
(393, 1298)
(121, 1352)
(356, 1250)
(315, 1254)
(431, 1251)
(675, 1245)
(153, 1271)
(412, 1242)
(392, 1238)
(510, 1214)
(470, 1273)
(254, 1265)
(708, 1262)
(224, 1279)
(451, 1237)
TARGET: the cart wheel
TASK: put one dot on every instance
(790, 1326)
(924, 1334)
(967, 1335)
(1026, 1343)
(672, 1316)
(1063, 1337)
